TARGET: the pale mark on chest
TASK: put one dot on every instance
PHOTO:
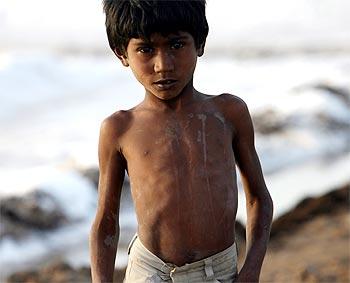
(189, 120)
(199, 136)
(171, 132)
(203, 119)
(219, 117)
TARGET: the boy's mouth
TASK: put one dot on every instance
(165, 84)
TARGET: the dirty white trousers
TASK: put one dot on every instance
(145, 267)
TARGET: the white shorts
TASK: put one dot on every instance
(144, 266)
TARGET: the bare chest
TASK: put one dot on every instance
(189, 141)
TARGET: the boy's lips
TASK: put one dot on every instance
(165, 84)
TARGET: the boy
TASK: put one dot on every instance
(179, 147)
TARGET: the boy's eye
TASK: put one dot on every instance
(144, 49)
(177, 45)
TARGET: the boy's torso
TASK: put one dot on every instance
(182, 171)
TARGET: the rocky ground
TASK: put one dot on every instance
(36, 210)
(310, 243)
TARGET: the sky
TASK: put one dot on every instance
(79, 24)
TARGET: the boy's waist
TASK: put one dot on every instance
(182, 244)
(140, 253)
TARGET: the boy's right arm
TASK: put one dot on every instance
(104, 234)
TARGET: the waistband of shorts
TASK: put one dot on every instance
(146, 256)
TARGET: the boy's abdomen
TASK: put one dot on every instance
(187, 240)
(187, 220)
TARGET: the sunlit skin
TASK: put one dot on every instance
(179, 147)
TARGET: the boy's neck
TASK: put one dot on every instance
(187, 95)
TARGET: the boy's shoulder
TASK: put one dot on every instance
(121, 119)
(229, 98)
(230, 104)
(116, 124)
(234, 109)
(117, 119)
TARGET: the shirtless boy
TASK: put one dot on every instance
(179, 148)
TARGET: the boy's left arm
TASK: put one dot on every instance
(258, 201)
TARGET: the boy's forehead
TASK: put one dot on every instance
(157, 36)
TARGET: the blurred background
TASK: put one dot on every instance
(289, 60)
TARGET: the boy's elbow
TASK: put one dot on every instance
(264, 203)
(271, 211)
(267, 211)
(268, 204)
(103, 231)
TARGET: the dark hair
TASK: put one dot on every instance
(126, 19)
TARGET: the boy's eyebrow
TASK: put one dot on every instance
(179, 37)
(141, 41)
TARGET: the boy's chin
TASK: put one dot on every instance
(165, 96)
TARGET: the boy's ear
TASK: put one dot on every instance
(200, 50)
(121, 56)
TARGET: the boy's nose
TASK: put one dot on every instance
(164, 62)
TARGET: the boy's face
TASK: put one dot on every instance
(164, 65)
